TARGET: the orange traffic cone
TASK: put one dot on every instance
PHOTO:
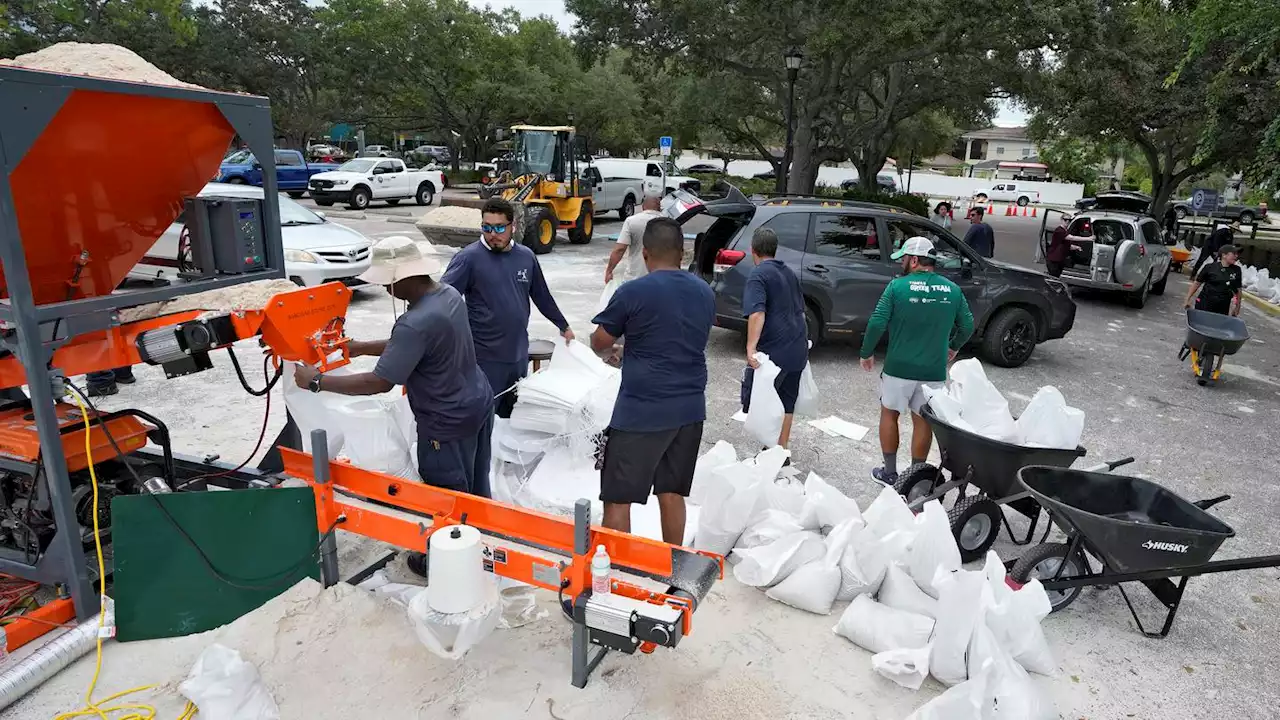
(1024, 211)
(1009, 211)
(990, 208)
(1033, 212)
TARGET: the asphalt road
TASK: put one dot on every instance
(1120, 366)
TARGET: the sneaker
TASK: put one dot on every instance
(125, 378)
(103, 390)
(885, 478)
(417, 563)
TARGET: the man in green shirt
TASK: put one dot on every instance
(928, 320)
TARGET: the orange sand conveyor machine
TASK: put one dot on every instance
(94, 171)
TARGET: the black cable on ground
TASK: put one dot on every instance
(283, 577)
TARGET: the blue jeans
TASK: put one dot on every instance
(461, 465)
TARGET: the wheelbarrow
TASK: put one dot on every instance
(1210, 338)
(990, 466)
(1137, 530)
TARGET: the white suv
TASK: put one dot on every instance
(1119, 251)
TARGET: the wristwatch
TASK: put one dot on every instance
(314, 385)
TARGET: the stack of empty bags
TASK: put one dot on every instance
(911, 603)
(970, 402)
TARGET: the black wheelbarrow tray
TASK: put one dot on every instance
(992, 467)
(1214, 333)
(1137, 530)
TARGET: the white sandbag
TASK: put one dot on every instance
(982, 405)
(768, 565)
(315, 411)
(965, 701)
(825, 506)
(735, 493)
(764, 419)
(1049, 422)
(876, 628)
(866, 560)
(609, 289)
(450, 636)
(963, 597)
(375, 436)
(934, 548)
(720, 454)
(947, 409)
(766, 527)
(907, 667)
(807, 404)
(899, 591)
(1016, 624)
(813, 586)
(888, 513)
(1011, 693)
(225, 686)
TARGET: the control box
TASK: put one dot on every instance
(224, 236)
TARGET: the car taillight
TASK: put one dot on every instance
(726, 259)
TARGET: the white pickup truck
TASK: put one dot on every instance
(620, 183)
(363, 180)
(1007, 192)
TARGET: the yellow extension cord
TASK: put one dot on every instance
(136, 711)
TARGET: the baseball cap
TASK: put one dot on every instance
(396, 258)
(1229, 249)
(918, 246)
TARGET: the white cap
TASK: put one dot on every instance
(396, 258)
(918, 246)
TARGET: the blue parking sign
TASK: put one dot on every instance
(664, 144)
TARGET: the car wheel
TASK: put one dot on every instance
(581, 234)
(235, 181)
(1010, 337)
(627, 209)
(425, 194)
(1138, 298)
(1023, 201)
(324, 203)
(1158, 288)
(393, 201)
(1180, 213)
(981, 197)
(540, 229)
(295, 194)
(360, 198)
(1246, 217)
(812, 325)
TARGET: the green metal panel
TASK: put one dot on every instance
(257, 539)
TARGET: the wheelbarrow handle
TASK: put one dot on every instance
(1206, 504)
(1105, 466)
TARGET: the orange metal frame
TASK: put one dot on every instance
(446, 507)
(37, 623)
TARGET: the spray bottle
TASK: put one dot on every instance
(600, 580)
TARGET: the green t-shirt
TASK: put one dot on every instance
(926, 315)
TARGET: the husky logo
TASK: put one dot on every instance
(1165, 546)
(522, 275)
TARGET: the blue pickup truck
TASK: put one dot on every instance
(292, 170)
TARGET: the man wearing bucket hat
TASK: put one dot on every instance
(431, 354)
(928, 321)
(499, 278)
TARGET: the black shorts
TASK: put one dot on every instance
(638, 464)
(1222, 306)
(787, 384)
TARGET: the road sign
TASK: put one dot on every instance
(1204, 200)
(664, 145)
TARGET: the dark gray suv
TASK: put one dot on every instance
(840, 251)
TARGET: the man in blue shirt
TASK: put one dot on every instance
(980, 236)
(498, 278)
(656, 431)
(430, 353)
(774, 309)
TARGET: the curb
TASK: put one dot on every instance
(344, 214)
(385, 212)
(405, 220)
(1263, 305)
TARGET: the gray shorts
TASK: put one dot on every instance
(904, 395)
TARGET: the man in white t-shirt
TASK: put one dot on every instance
(626, 257)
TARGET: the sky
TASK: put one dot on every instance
(1007, 115)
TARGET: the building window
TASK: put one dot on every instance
(1026, 152)
(999, 150)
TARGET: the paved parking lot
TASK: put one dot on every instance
(1119, 365)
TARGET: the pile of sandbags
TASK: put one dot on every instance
(568, 403)
(972, 403)
(1258, 282)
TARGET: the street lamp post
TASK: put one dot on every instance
(793, 59)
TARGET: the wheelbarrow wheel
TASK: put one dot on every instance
(917, 481)
(975, 523)
(1042, 562)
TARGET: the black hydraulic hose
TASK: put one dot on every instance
(235, 362)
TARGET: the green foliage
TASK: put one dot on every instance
(459, 177)
(907, 201)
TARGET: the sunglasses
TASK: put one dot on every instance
(493, 228)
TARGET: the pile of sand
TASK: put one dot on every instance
(451, 216)
(96, 60)
(249, 296)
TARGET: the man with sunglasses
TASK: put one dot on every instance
(499, 278)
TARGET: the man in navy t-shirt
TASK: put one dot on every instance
(499, 277)
(653, 439)
(774, 309)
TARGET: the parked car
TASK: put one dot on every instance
(437, 153)
(376, 151)
(615, 193)
(1126, 253)
(884, 181)
(1116, 200)
(1246, 214)
(840, 250)
(292, 170)
(704, 169)
(315, 250)
(326, 153)
(1007, 192)
(637, 169)
(363, 180)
